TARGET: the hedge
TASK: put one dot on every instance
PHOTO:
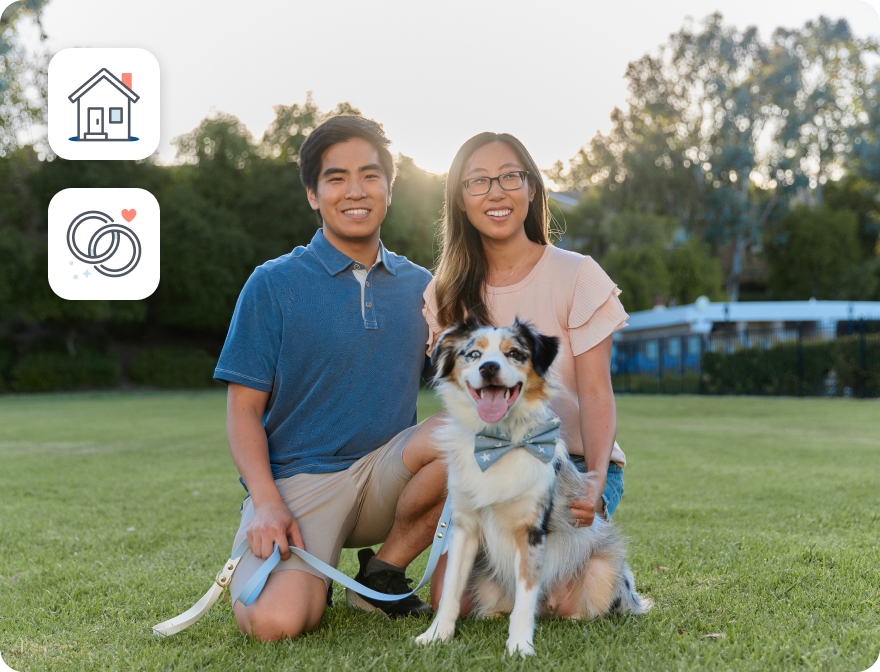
(173, 368)
(6, 356)
(828, 368)
(646, 383)
(49, 371)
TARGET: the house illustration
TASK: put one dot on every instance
(103, 107)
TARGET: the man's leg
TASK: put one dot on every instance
(405, 491)
(421, 501)
(292, 602)
(295, 594)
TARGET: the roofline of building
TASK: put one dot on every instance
(103, 73)
(562, 198)
(754, 311)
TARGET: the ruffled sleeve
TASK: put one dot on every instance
(595, 311)
(430, 312)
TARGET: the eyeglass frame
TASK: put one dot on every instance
(522, 173)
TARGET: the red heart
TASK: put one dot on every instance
(128, 215)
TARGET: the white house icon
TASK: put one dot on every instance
(103, 107)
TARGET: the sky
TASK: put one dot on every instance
(434, 74)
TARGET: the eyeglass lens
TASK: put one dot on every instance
(478, 186)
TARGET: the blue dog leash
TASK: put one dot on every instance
(251, 590)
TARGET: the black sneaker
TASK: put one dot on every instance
(388, 581)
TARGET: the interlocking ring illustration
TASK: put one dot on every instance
(111, 228)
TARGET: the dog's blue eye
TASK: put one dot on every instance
(474, 354)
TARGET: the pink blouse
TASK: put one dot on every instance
(566, 295)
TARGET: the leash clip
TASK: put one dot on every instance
(224, 576)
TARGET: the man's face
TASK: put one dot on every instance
(352, 194)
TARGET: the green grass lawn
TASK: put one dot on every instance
(755, 518)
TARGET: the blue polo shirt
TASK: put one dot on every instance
(342, 383)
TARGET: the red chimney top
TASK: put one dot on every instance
(126, 79)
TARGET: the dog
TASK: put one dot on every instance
(513, 542)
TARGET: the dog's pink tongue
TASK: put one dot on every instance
(493, 405)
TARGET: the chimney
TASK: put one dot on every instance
(126, 79)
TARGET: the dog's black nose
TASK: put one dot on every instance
(488, 370)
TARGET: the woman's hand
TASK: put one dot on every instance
(585, 510)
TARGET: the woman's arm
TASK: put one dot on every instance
(598, 416)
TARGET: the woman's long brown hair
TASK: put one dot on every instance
(461, 271)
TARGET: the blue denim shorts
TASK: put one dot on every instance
(613, 483)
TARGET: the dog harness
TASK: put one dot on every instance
(491, 445)
(251, 590)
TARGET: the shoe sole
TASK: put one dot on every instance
(355, 601)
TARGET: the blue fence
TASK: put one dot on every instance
(803, 359)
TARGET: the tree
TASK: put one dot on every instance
(416, 204)
(859, 195)
(820, 78)
(20, 71)
(694, 272)
(292, 125)
(811, 253)
(649, 256)
(38, 306)
(722, 129)
(864, 160)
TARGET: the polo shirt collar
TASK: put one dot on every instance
(335, 261)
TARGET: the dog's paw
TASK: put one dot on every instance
(522, 646)
(436, 634)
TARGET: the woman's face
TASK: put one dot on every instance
(497, 214)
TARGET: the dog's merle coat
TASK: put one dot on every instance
(513, 540)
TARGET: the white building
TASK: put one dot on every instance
(705, 317)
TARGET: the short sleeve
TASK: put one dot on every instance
(250, 353)
(595, 311)
(430, 312)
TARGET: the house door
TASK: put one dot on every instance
(96, 120)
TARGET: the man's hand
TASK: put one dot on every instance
(585, 510)
(273, 523)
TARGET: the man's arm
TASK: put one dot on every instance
(598, 416)
(273, 521)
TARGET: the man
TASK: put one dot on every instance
(323, 359)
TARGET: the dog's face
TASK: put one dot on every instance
(497, 370)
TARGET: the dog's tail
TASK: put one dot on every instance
(625, 598)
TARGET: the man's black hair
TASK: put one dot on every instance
(341, 129)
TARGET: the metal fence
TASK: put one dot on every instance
(797, 359)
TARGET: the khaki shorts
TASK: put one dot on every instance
(352, 508)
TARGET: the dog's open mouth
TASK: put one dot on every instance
(494, 400)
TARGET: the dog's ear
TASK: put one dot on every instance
(443, 357)
(542, 349)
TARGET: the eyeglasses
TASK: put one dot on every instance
(477, 186)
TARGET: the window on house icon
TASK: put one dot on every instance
(115, 115)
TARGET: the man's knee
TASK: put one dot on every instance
(291, 603)
(269, 626)
(421, 450)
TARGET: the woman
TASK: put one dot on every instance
(497, 263)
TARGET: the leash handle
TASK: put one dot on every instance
(251, 590)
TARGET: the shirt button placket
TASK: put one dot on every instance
(369, 312)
